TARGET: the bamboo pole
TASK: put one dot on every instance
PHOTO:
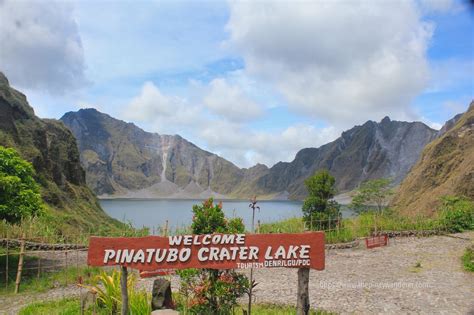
(6, 264)
(66, 266)
(39, 267)
(20, 265)
(253, 206)
(166, 228)
(123, 286)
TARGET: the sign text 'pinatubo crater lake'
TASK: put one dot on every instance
(153, 213)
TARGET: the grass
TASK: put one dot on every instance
(277, 309)
(31, 282)
(292, 225)
(417, 267)
(48, 229)
(69, 306)
(72, 306)
(468, 259)
(361, 226)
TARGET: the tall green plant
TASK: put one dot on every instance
(319, 210)
(211, 291)
(108, 292)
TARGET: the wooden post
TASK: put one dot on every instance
(6, 264)
(66, 266)
(123, 286)
(39, 267)
(20, 265)
(302, 295)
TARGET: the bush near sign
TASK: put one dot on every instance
(210, 251)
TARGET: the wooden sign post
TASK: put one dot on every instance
(124, 289)
(302, 293)
(214, 251)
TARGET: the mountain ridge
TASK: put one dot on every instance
(123, 160)
(126, 158)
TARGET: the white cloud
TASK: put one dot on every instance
(167, 114)
(233, 139)
(151, 103)
(230, 102)
(431, 124)
(344, 62)
(440, 6)
(246, 147)
(40, 45)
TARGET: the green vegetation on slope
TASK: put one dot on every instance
(52, 150)
(446, 167)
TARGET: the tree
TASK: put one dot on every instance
(374, 192)
(212, 291)
(19, 193)
(319, 210)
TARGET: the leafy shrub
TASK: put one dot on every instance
(19, 193)
(373, 193)
(209, 218)
(457, 214)
(210, 291)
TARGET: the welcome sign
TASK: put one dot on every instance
(210, 251)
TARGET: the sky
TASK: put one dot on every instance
(252, 81)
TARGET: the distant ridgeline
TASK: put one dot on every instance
(52, 149)
(121, 159)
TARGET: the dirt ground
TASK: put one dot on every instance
(410, 276)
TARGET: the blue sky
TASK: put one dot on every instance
(251, 81)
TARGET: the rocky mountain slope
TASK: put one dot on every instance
(123, 160)
(446, 167)
(373, 150)
(52, 149)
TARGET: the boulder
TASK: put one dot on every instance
(161, 295)
(87, 300)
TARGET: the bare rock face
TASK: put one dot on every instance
(52, 150)
(373, 150)
(123, 160)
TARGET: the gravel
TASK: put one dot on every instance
(409, 276)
